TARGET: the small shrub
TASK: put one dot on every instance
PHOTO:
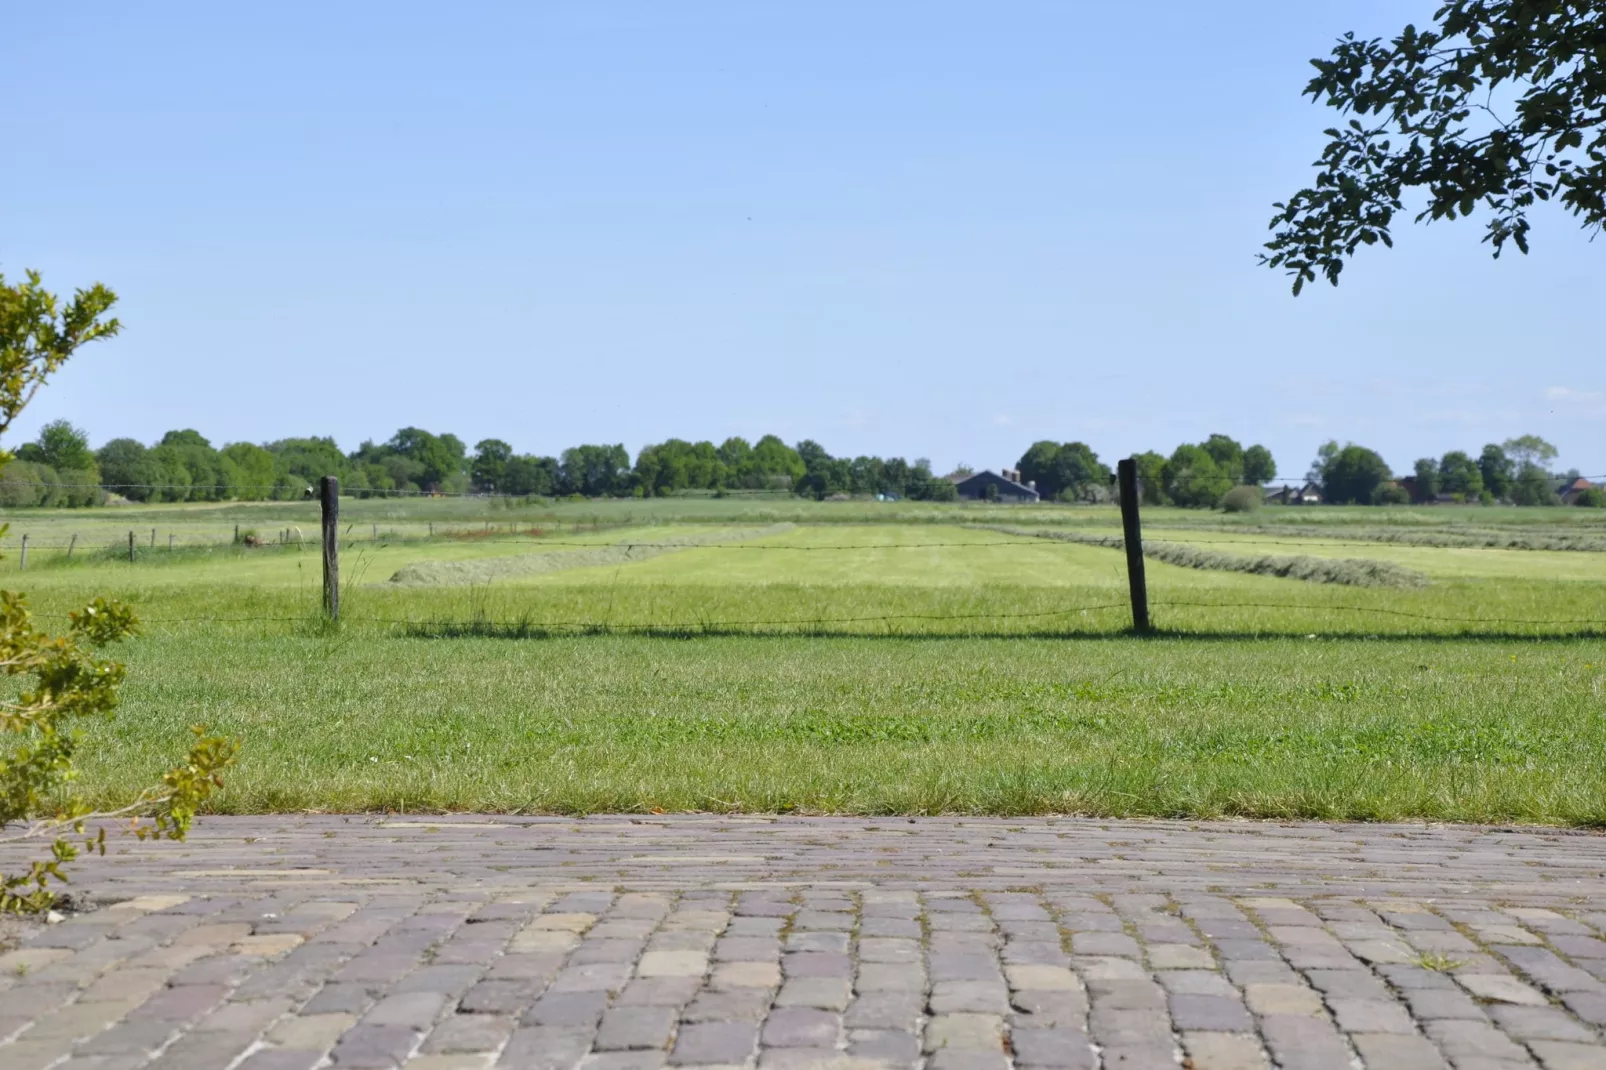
(1243, 499)
(1593, 498)
(53, 680)
(1391, 494)
(67, 680)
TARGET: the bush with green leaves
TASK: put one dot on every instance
(57, 681)
(66, 679)
(1244, 499)
(1593, 498)
(31, 484)
(1391, 494)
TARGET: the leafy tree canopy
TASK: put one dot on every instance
(1498, 104)
(1193, 478)
(1459, 474)
(1529, 451)
(38, 333)
(1427, 479)
(62, 446)
(1151, 477)
(1496, 469)
(1228, 455)
(1259, 467)
(1069, 471)
(1349, 474)
(489, 467)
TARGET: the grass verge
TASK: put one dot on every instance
(1355, 729)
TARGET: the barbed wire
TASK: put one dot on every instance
(1573, 622)
(1247, 542)
(530, 625)
(1184, 481)
(644, 625)
(537, 541)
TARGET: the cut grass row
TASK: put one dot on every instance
(1344, 571)
(863, 580)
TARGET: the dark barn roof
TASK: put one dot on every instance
(975, 486)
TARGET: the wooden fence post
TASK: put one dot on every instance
(1127, 473)
(70, 544)
(329, 498)
(153, 538)
(170, 544)
(22, 565)
(130, 547)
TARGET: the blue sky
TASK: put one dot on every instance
(929, 229)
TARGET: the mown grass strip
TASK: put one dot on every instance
(490, 569)
(1346, 571)
(1463, 539)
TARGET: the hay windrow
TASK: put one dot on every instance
(1347, 571)
(485, 570)
(1464, 539)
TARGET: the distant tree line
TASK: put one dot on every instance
(1513, 472)
(60, 469)
(1196, 474)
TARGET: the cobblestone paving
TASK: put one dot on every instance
(617, 943)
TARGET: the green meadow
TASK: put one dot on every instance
(771, 654)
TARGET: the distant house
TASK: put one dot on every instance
(991, 486)
(1309, 494)
(1570, 489)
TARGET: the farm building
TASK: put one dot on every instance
(990, 486)
(1309, 494)
(1570, 489)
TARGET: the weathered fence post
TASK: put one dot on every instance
(130, 547)
(329, 498)
(236, 533)
(22, 565)
(1127, 473)
(70, 544)
(153, 538)
(170, 544)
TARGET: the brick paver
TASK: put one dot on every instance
(618, 943)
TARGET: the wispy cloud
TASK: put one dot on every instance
(1568, 394)
(1003, 419)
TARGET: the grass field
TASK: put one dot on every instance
(848, 657)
